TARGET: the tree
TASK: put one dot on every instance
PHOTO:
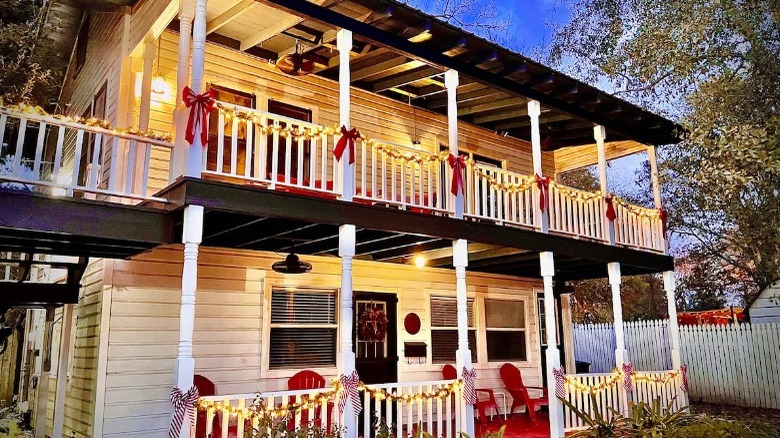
(711, 65)
(29, 70)
(482, 17)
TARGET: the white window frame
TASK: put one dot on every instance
(543, 327)
(475, 326)
(526, 329)
(267, 326)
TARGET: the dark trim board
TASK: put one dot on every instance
(38, 294)
(275, 221)
(37, 223)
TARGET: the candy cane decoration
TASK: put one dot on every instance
(183, 405)
(469, 386)
(349, 389)
(560, 378)
(684, 378)
(628, 371)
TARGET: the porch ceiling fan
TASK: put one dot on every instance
(295, 64)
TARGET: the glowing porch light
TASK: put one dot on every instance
(419, 261)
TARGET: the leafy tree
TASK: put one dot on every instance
(482, 17)
(713, 66)
(29, 68)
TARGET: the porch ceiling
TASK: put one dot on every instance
(402, 53)
(248, 218)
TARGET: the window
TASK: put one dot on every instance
(81, 45)
(444, 329)
(303, 328)
(543, 325)
(505, 330)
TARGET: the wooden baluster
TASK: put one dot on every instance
(299, 174)
(248, 154)
(220, 143)
(39, 145)
(17, 164)
(234, 145)
(147, 162)
(274, 155)
(94, 165)
(113, 164)
(76, 161)
(288, 158)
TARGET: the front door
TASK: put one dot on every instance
(374, 336)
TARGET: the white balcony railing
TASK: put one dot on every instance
(64, 158)
(502, 196)
(577, 213)
(638, 227)
(436, 406)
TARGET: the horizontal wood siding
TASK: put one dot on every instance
(766, 308)
(228, 339)
(587, 155)
(81, 386)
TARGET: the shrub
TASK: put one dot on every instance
(707, 428)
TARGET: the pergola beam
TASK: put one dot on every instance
(229, 15)
(414, 76)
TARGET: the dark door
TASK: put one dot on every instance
(294, 112)
(543, 333)
(376, 357)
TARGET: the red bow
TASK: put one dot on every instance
(560, 378)
(544, 184)
(610, 209)
(348, 137)
(684, 377)
(469, 385)
(183, 405)
(349, 389)
(663, 215)
(628, 370)
(200, 106)
(458, 165)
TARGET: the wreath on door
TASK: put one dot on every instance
(373, 324)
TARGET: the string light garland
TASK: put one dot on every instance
(615, 377)
(440, 393)
(26, 109)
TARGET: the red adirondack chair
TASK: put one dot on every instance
(308, 379)
(513, 381)
(206, 388)
(483, 405)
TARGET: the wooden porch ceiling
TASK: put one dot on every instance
(402, 53)
(248, 218)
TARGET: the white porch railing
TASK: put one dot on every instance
(441, 417)
(439, 412)
(486, 199)
(61, 157)
(638, 227)
(257, 146)
(401, 181)
(646, 387)
(577, 213)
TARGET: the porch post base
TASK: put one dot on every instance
(553, 356)
(463, 359)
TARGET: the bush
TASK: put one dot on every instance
(707, 428)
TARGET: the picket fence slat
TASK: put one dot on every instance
(732, 364)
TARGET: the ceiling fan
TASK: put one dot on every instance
(295, 64)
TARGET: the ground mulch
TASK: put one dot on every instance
(769, 416)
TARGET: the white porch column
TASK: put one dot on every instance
(621, 355)
(600, 134)
(674, 328)
(653, 157)
(179, 159)
(196, 151)
(553, 356)
(460, 259)
(185, 363)
(62, 370)
(534, 111)
(346, 170)
(43, 379)
(347, 361)
(451, 81)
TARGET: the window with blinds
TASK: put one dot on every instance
(444, 329)
(303, 328)
(505, 330)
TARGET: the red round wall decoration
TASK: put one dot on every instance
(412, 323)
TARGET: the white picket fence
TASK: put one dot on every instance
(730, 364)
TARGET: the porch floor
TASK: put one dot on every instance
(519, 426)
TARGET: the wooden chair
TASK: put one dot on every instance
(206, 388)
(513, 381)
(450, 373)
(308, 379)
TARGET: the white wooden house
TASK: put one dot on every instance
(765, 308)
(169, 247)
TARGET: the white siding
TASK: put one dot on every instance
(766, 308)
(229, 329)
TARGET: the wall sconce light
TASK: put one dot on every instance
(419, 261)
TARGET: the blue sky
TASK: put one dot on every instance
(532, 19)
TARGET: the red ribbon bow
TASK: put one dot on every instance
(610, 209)
(684, 378)
(183, 405)
(349, 389)
(560, 378)
(544, 184)
(628, 370)
(469, 385)
(200, 106)
(348, 137)
(458, 165)
(663, 215)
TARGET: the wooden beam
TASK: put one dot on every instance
(419, 33)
(386, 68)
(504, 115)
(229, 15)
(491, 106)
(414, 76)
(38, 294)
(526, 123)
(270, 31)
